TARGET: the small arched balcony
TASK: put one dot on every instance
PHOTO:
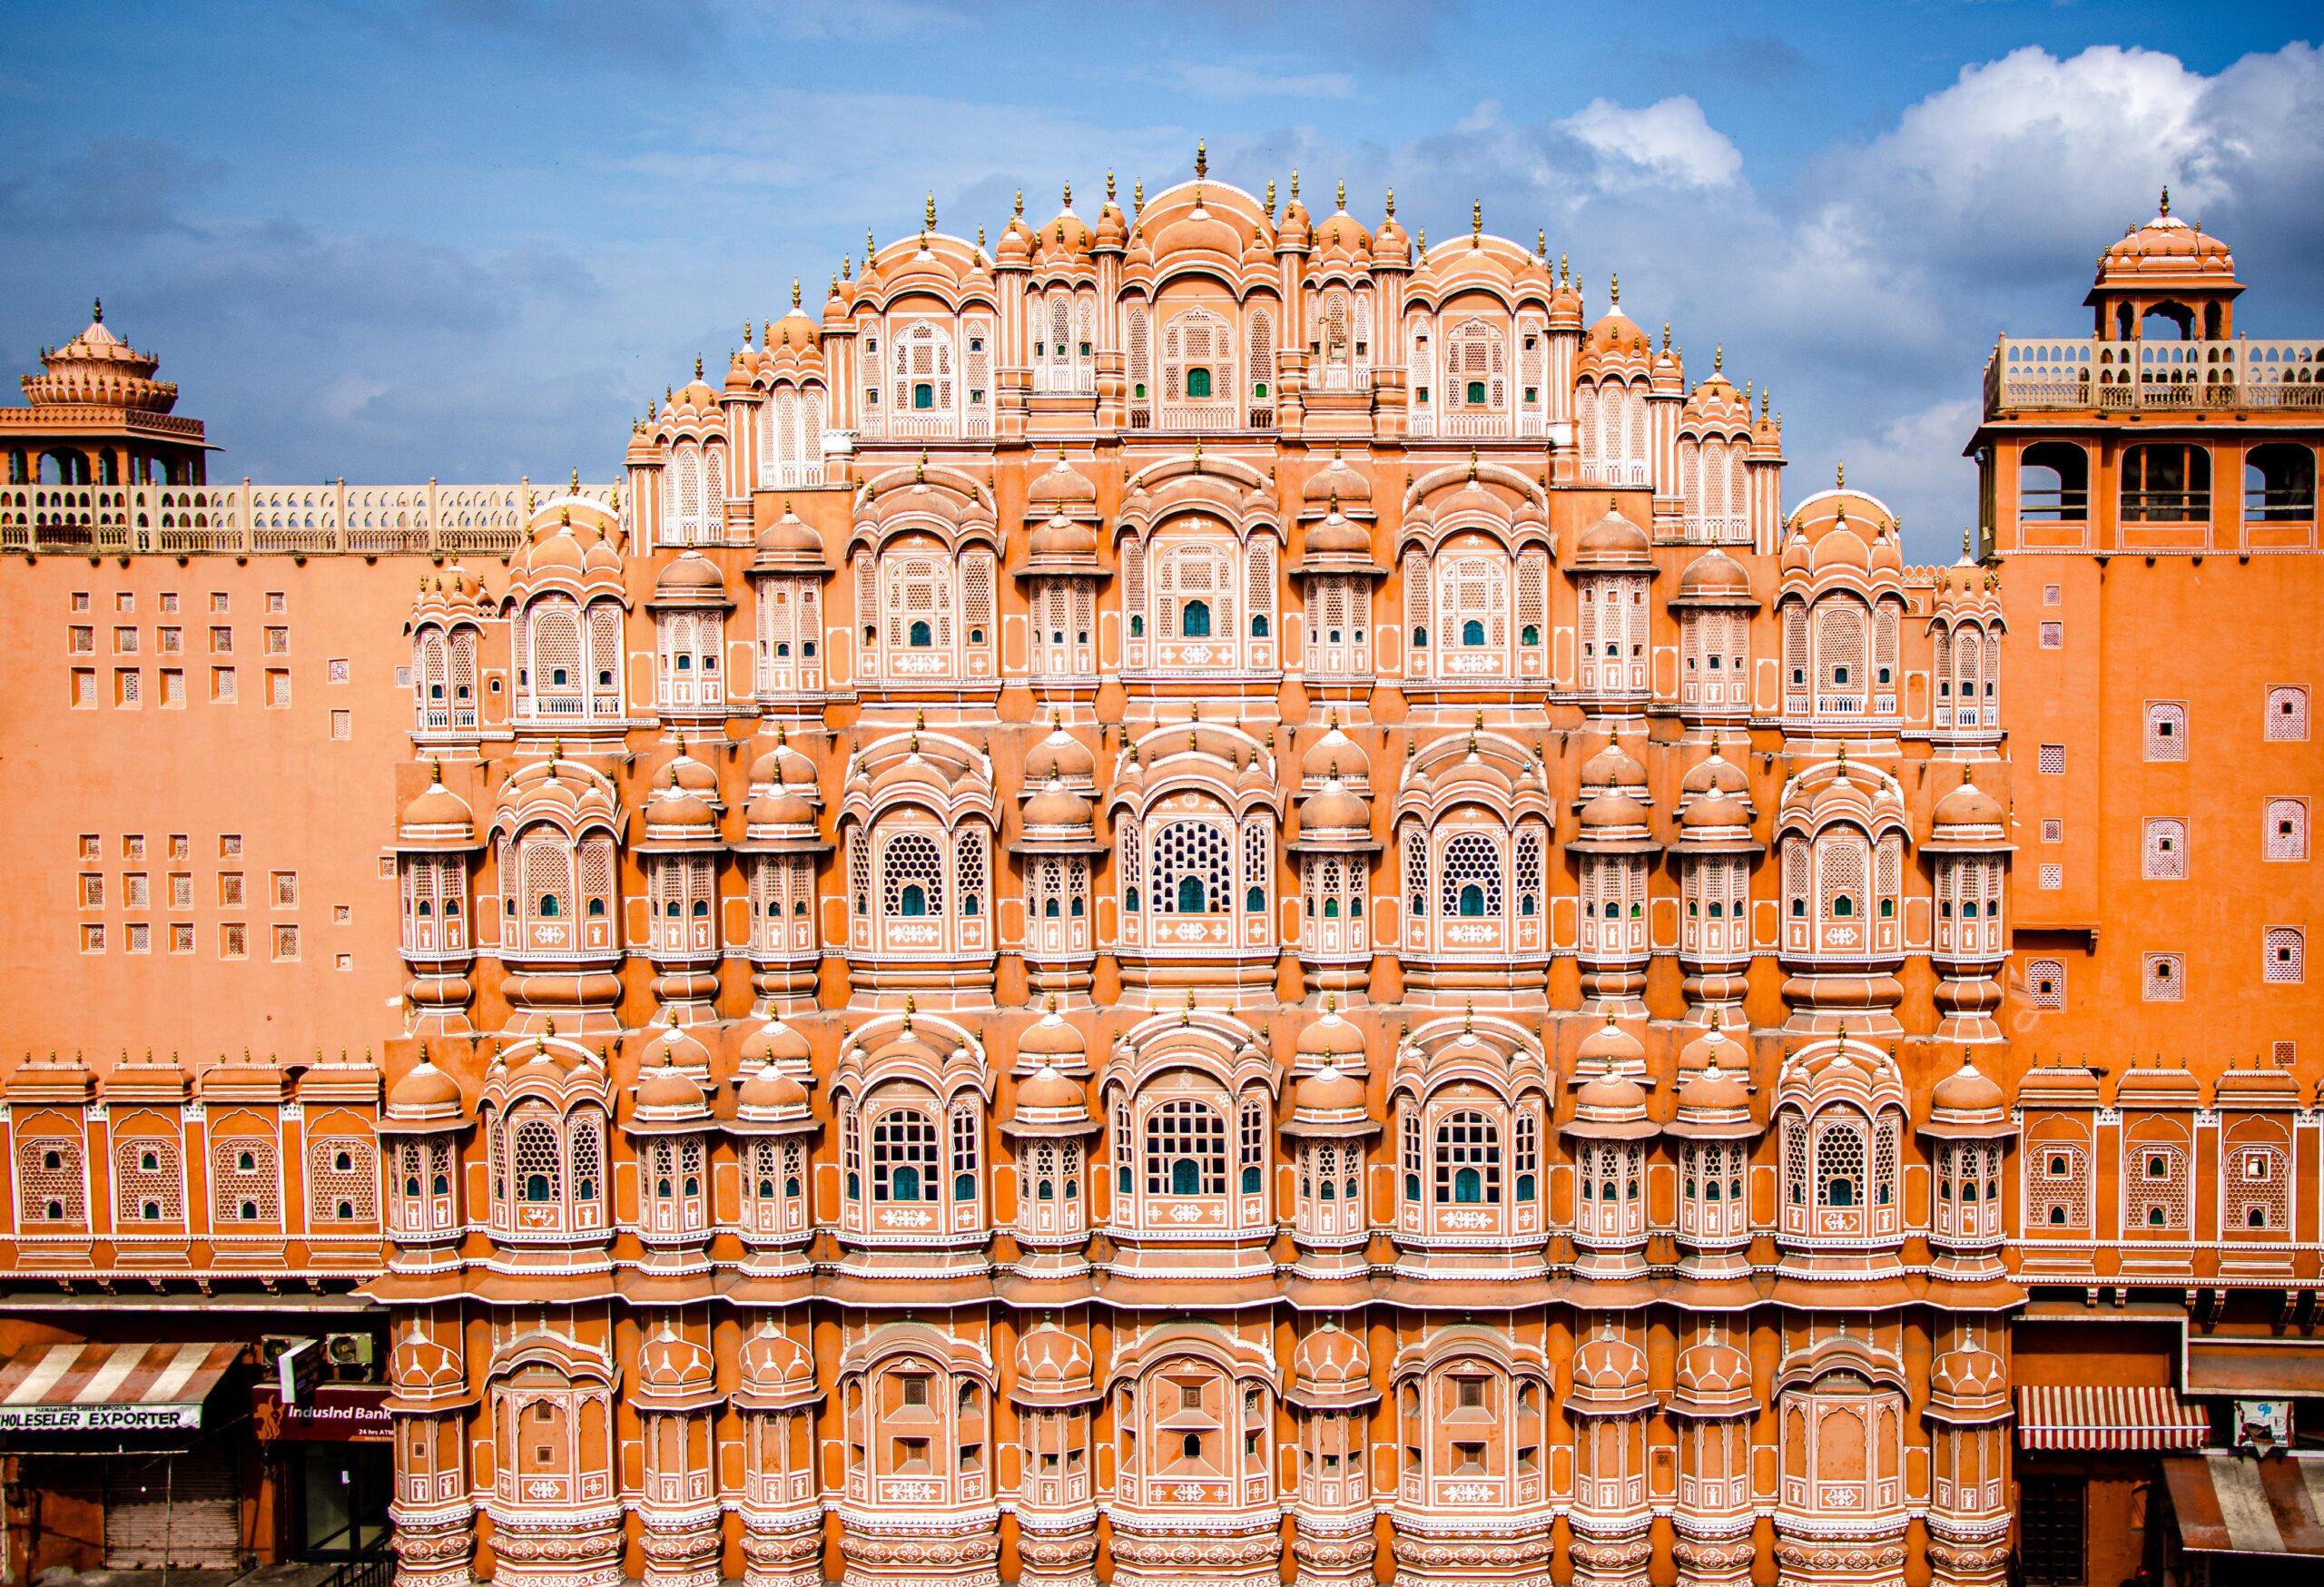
(917, 823)
(1468, 1104)
(1189, 1113)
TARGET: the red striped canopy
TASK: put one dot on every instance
(109, 1388)
(2084, 1417)
(2233, 1504)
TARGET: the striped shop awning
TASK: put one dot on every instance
(2086, 1416)
(2234, 1503)
(110, 1388)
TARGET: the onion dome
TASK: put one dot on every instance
(777, 1043)
(1337, 539)
(771, 1097)
(1332, 808)
(1328, 1095)
(1797, 556)
(1336, 486)
(426, 1096)
(791, 545)
(776, 1372)
(690, 579)
(1049, 1102)
(695, 400)
(1611, 1107)
(1967, 1102)
(1610, 1377)
(98, 369)
(1713, 1379)
(1967, 812)
(1060, 488)
(1070, 758)
(667, 1096)
(420, 1368)
(1840, 547)
(783, 765)
(674, 1374)
(1715, 1045)
(781, 807)
(1016, 247)
(1254, 776)
(2261, 1086)
(1714, 1103)
(1615, 341)
(438, 819)
(1331, 1370)
(1715, 579)
(1342, 239)
(1294, 230)
(1194, 229)
(1257, 256)
(1330, 1039)
(2166, 250)
(1716, 823)
(1613, 545)
(1066, 237)
(1609, 1049)
(1057, 810)
(1113, 227)
(1968, 1384)
(1054, 1367)
(676, 814)
(1052, 1040)
(1335, 755)
(1612, 811)
(1391, 245)
(1062, 544)
(1715, 773)
(1614, 768)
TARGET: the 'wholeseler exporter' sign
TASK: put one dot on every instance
(97, 1418)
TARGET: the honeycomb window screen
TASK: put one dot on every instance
(343, 1180)
(2154, 1187)
(2162, 978)
(2051, 760)
(51, 1190)
(2287, 721)
(2052, 878)
(2285, 836)
(2057, 1187)
(2045, 982)
(149, 1183)
(1190, 868)
(2166, 730)
(912, 875)
(2284, 955)
(1471, 877)
(2053, 636)
(2163, 855)
(2257, 1195)
(244, 1186)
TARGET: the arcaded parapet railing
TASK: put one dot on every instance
(245, 519)
(2064, 374)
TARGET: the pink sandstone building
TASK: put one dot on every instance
(1208, 895)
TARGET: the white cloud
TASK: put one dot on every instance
(1668, 142)
(1223, 80)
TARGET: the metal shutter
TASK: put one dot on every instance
(174, 1511)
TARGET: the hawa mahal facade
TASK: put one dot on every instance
(1211, 894)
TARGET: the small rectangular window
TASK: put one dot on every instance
(347, 961)
(276, 601)
(141, 937)
(173, 687)
(2052, 878)
(92, 847)
(136, 891)
(124, 601)
(217, 601)
(80, 600)
(2053, 636)
(221, 641)
(128, 688)
(93, 890)
(286, 889)
(84, 688)
(286, 942)
(2053, 830)
(229, 889)
(81, 639)
(278, 641)
(277, 688)
(170, 641)
(221, 684)
(180, 890)
(170, 601)
(229, 845)
(342, 724)
(125, 641)
(2053, 595)
(2052, 760)
(93, 939)
(133, 845)
(182, 937)
(233, 941)
(338, 673)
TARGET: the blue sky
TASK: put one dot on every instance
(468, 241)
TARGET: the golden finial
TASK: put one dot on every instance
(746, 332)
(1294, 184)
(697, 365)
(1614, 290)
(1717, 357)
(907, 1011)
(1187, 1014)
(1110, 185)
(1069, 195)
(1763, 404)
(1565, 274)
(1666, 336)
(1541, 243)
(1472, 465)
(2166, 199)
(1840, 475)
(1202, 157)
(794, 291)
(1392, 203)
(1270, 198)
(928, 213)
(1339, 197)
(1469, 1019)
(436, 773)
(980, 241)
(1422, 243)
(1476, 219)
(1138, 196)
(920, 470)
(97, 305)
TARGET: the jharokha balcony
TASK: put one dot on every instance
(2045, 374)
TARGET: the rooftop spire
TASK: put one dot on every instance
(2166, 204)
(1339, 198)
(97, 305)
(1110, 185)
(794, 291)
(928, 213)
(1476, 219)
(1202, 157)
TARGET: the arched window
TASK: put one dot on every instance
(913, 871)
(1191, 873)
(1186, 1148)
(1193, 620)
(1468, 1159)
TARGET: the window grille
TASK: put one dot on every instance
(1185, 1150)
(2285, 836)
(2155, 1177)
(244, 1186)
(50, 1186)
(2057, 1186)
(2164, 851)
(2166, 731)
(2258, 1192)
(2288, 714)
(2045, 982)
(1468, 1159)
(904, 1165)
(1472, 860)
(1416, 871)
(2162, 978)
(149, 1186)
(2051, 878)
(2285, 955)
(343, 1180)
(912, 861)
(1195, 852)
(2051, 760)
(1839, 1165)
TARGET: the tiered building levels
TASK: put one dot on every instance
(1208, 895)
